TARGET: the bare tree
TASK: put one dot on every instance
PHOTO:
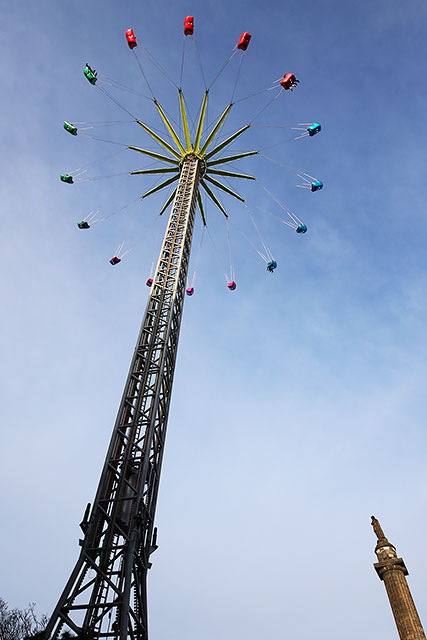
(20, 624)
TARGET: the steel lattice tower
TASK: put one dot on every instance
(105, 596)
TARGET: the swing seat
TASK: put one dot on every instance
(271, 266)
(316, 185)
(149, 282)
(115, 260)
(90, 74)
(289, 81)
(130, 37)
(189, 25)
(189, 291)
(314, 128)
(244, 41)
(70, 128)
(231, 285)
(64, 177)
(301, 228)
(83, 225)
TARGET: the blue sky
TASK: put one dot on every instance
(299, 399)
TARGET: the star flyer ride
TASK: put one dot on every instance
(106, 594)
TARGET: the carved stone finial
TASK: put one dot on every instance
(377, 528)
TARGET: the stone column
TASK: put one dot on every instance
(393, 572)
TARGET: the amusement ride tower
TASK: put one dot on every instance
(105, 596)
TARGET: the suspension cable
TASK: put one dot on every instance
(96, 124)
(229, 250)
(237, 76)
(119, 85)
(274, 217)
(143, 73)
(235, 50)
(154, 61)
(292, 215)
(90, 137)
(115, 101)
(217, 255)
(78, 172)
(94, 178)
(196, 48)
(267, 105)
(193, 280)
(250, 242)
(266, 249)
(256, 93)
(276, 144)
(116, 211)
(306, 177)
(188, 112)
(280, 164)
(182, 61)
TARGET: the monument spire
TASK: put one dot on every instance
(392, 571)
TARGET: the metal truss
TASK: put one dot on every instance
(105, 596)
